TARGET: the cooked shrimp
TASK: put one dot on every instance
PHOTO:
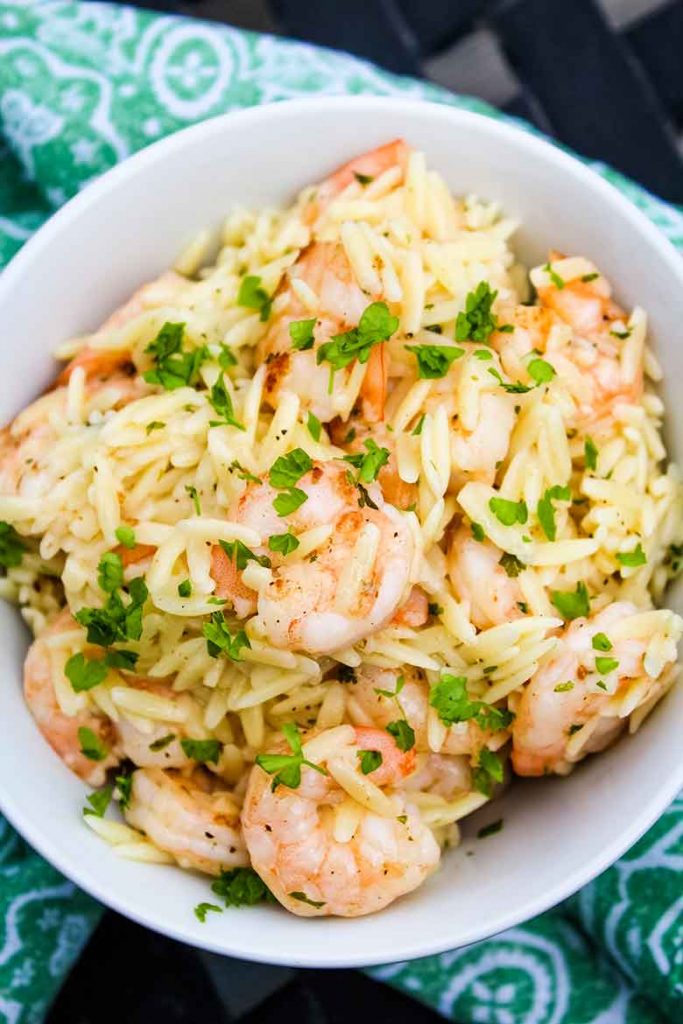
(368, 165)
(312, 867)
(446, 775)
(192, 817)
(160, 746)
(414, 612)
(27, 444)
(324, 268)
(59, 729)
(588, 361)
(349, 588)
(564, 697)
(352, 433)
(96, 361)
(479, 579)
(465, 738)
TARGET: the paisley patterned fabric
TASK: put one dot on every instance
(81, 87)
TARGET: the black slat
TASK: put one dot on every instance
(438, 23)
(375, 29)
(591, 88)
(657, 41)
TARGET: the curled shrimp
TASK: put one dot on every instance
(323, 268)
(568, 694)
(27, 444)
(369, 703)
(98, 362)
(366, 166)
(587, 359)
(317, 865)
(192, 817)
(478, 578)
(349, 587)
(61, 730)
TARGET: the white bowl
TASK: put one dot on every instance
(127, 227)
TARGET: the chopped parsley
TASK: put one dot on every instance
(434, 609)
(369, 463)
(115, 621)
(243, 473)
(83, 673)
(289, 501)
(554, 276)
(202, 909)
(601, 642)
(174, 367)
(286, 768)
(220, 399)
(253, 295)
(110, 572)
(590, 454)
(124, 785)
(314, 426)
(185, 589)
(376, 325)
(363, 179)
(546, 512)
(483, 354)
(632, 559)
(512, 387)
(572, 604)
(574, 728)
(370, 760)
(288, 469)
(403, 734)
(417, 429)
(301, 333)
(162, 742)
(491, 829)
(219, 639)
(194, 498)
(606, 665)
(622, 335)
(303, 898)
(12, 547)
(205, 751)
(563, 688)
(540, 371)
(509, 512)
(488, 771)
(240, 554)
(126, 535)
(98, 801)
(478, 532)
(226, 358)
(590, 277)
(512, 565)
(154, 425)
(241, 887)
(434, 361)
(450, 699)
(283, 543)
(91, 745)
(477, 322)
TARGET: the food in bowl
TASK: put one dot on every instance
(327, 535)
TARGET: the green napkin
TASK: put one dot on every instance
(81, 87)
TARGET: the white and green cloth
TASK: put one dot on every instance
(83, 85)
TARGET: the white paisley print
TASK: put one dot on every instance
(81, 87)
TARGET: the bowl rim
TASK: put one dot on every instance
(616, 204)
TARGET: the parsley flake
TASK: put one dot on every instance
(572, 604)
(403, 734)
(220, 399)
(174, 367)
(202, 909)
(563, 688)
(512, 565)
(289, 501)
(632, 559)
(314, 426)
(590, 454)
(488, 771)
(126, 535)
(12, 547)
(370, 760)
(376, 325)
(477, 322)
(219, 639)
(450, 699)
(286, 768)
(91, 745)
(288, 469)
(369, 463)
(98, 801)
(509, 512)
(554, 276)
(283, 543)
(606, 665)
(601, 642)
(253, 295)
(491, 829)
(540, 371)
(478, 532)
(185, 588)
(303, 898)
(205, 751)
(84, 674)
(301, 333)
(241, 887)
(546, 512)
(240, 554)
(434, 361)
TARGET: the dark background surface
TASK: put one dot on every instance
(603, 77)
